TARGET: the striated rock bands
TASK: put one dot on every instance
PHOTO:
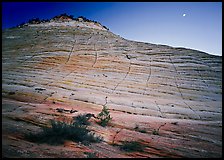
(77, 65)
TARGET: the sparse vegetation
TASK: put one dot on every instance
(63, 16)
(104, 116)
(131, 146)
(155, 132)
(91, 155)
(139, 129)
(60, 131)
(82, 119)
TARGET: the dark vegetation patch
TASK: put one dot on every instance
(91, 154)
(11, 93)
(104, 116)
(139, 129)
(76, 131)
(132, 146)
(61, 16)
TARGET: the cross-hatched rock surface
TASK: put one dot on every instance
(83, 68)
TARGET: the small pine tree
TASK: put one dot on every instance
(104, 116)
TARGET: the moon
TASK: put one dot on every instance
(184, 15)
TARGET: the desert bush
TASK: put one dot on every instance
(61, 131)
(131, 146)
(82, 119)
(104, 116)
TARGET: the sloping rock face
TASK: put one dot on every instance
(176, 92)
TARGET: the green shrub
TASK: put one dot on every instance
(104, 116)
(61, 131)
(131, 146)
(82, 119)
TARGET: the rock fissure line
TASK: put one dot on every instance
(129, 68)
(59, 65)
(180, 90)
(69, 56)
(96, 56)
(159, 109)
(117, 132)
(161, 126)
(147, 81)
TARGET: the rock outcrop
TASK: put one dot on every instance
(169, 99)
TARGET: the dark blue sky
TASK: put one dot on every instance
(153, 22)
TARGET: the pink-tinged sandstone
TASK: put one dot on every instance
(176, 91)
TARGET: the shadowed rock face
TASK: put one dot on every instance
(175, 91)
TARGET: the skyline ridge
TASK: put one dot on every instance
(155, 22)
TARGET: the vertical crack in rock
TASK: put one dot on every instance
(149, 75)
(129, 68)
(96, 56)
(117, 132)
(59, 65)
(69, 56)
(180, 90)
(159, 109)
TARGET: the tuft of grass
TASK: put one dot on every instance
(155, 132)
(132, 146)
(77, 131)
